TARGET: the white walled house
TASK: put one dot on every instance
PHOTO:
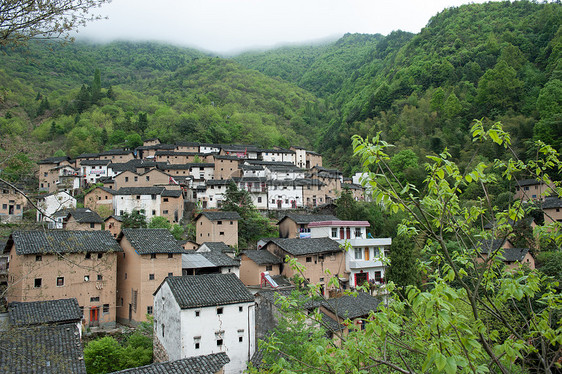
(52, 203)
(198, 315)
(257, 188)
(146, 200)
(283, 172)
(93, 170)
(364, 260)
(214, 193)
(284, 195)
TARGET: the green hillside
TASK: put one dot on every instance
(84, 98)
(497, 61)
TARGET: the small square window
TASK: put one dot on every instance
(240, 339)
(105, 309)
(240, 308)
(37, 282)
(219, 222)
(60, 281)
(309, 259)
(149, 309)
(219, 310)
(151, 277)
(100, 277)
(153, 255)
(197, 345)
(268, 267)
(86, 278)
(88, 256)
(94, 299)
(170, 255)
(92, 225)
(219, 342)
(221, 233)
(170, 274)
(197, 313)
(38, 258)
(100, 255)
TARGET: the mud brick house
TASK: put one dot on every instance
(217, 227)
(149, 256)
(57, 264)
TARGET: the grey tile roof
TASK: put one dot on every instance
(171, 193)
(85, 215)
(54, 160)
(218, 246)
(301, 247)
(195, 261)
(175, 167)
(60, 241)
(219, 259)
(509, 254)
(303, 219)
(528, 182)
(54, 349)
(514, 254)
(140, 190)
(218, 216)
(44, 312)
(218, 182)
(349, 306)
(487, 246)
(95, 162)
(551, 203)
(262, 257)
(147, 241)
(116, 152)
(209, 364)
(192, 291)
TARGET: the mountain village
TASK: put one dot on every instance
(209, 300)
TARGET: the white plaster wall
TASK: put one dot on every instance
(284, 193)
(128, 203)
(53, 203)
(209, 323)
(168, 313)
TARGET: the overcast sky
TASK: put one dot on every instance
(228, 26)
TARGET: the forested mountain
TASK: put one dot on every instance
(499, 61)
(84, 98)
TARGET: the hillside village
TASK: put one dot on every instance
(85, 264)
(82, 258)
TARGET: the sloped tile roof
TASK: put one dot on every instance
(140, 191)
(302, 219)
(262, 257)
(171, 193)
(218, 258)
(301, 247)
(509, 254)
(95, 162)
(195, 261)
(54, 160)
(60, 241)
(551, 203)
(44, 312)
(147, 241)
(349, 306)
(218, 246)
(209, 364)
(218, 216)
(192, 291)
(85, 215)
(54, 349)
